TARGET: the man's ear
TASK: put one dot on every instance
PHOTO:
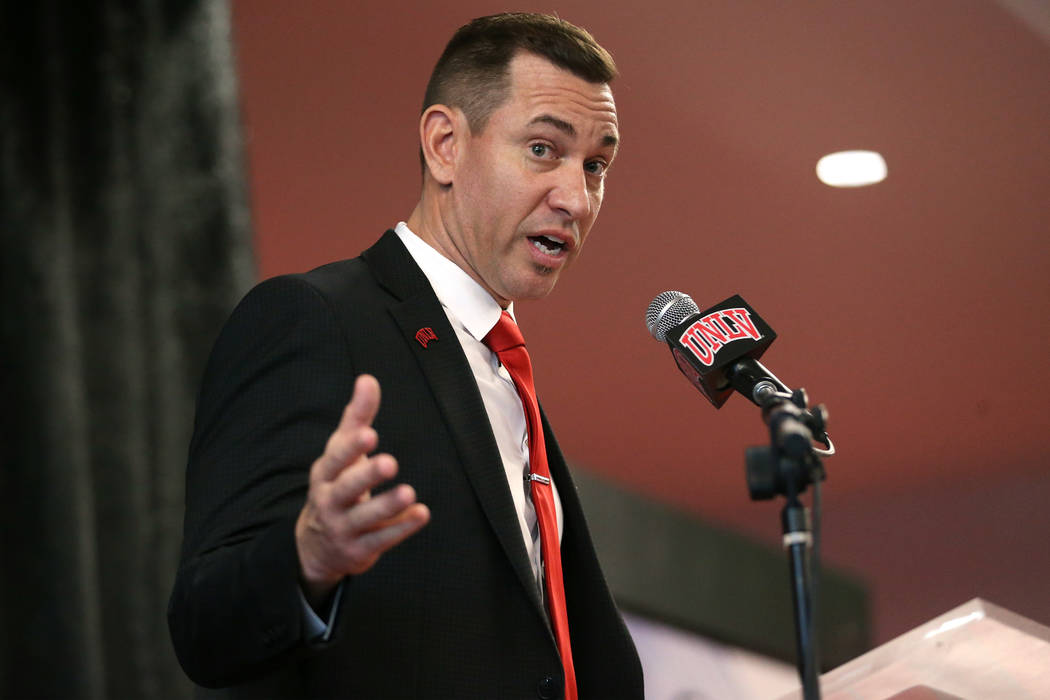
(441, 131)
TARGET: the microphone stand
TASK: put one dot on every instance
(786, 468)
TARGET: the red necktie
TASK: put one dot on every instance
(506, 341)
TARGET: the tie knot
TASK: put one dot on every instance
(504, 335)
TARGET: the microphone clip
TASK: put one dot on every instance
(791, 462)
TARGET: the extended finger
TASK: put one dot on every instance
(343, 449)
(354, 483)
(370, 545)
(374, 512)
(364, 404)
(354, 436)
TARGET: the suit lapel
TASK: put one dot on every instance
(456, 392)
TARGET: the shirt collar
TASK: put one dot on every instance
(457, 291)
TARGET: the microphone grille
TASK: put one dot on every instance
(666, 311)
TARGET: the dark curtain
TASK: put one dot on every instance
(125, 243)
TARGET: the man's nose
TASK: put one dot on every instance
(570, 193)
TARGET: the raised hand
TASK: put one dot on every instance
(342, 530)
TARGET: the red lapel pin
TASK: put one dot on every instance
(425, 335)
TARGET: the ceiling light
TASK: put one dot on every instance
(851, 168)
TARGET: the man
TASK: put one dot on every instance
(306, 575)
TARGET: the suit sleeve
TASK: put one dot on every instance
(274, 389)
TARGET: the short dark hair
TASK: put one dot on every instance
(473, 71)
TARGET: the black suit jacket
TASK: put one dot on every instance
(453, 612)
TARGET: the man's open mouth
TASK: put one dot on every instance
(547, 244)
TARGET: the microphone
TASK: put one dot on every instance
(716, 349)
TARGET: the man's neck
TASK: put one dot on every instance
(426, 223)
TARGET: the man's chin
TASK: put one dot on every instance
(533, 290)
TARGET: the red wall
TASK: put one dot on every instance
(917, 309)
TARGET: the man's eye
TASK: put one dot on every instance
(596, 167)
(540, 150)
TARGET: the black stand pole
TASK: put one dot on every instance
(786, 468)
(798, 540)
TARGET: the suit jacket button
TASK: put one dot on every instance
(547, 688)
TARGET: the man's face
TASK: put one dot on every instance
(527, 189)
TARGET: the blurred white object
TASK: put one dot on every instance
(851, 168)
(978, 650)
(680, 665)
